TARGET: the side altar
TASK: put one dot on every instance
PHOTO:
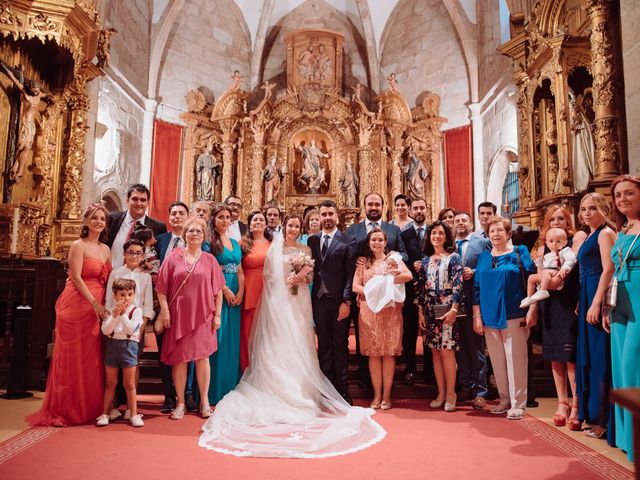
(298, 145)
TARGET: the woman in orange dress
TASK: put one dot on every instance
(76, 377)
(381, 332)
(254, 251)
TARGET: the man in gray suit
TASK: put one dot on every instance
(373, 205)
(472, 361)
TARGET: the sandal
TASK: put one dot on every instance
(599, 433)
(574, 424)
(385, 405)
(375, 406)
(559, 419)
(205, 410)
(178, 412)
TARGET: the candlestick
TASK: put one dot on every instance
(14, 230)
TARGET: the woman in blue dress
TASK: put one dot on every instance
(225, 362)
(593, 355)
(625, 317)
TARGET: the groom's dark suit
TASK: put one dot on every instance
(332, 281)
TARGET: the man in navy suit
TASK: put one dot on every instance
(472, 361)
(413, 238)
(121, 224)
(373, 205)
(334, 256)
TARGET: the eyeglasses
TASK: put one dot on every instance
(195, 231)
(234, 204)
(134, 253)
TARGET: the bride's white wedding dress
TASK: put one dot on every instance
(284, 406)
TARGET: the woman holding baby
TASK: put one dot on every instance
(380, 328)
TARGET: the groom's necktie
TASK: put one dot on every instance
(325, 245)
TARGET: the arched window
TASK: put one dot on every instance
(511, 192)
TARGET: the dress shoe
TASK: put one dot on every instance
(168, 405)
(409, 379)
(190, 403)
(532, 404)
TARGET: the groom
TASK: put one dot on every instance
(334, 256)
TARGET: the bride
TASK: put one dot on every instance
(284, 406)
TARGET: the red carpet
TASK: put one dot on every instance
(420, 443)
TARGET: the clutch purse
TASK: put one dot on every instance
(440, 309)
(611, 296)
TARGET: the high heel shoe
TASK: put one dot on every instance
(436, 404)
(596, 433)
(559, 419)
(574, 424)
(450, 406)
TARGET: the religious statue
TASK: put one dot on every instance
(272, 177)
(268, 90)
(349, 184)
(31, 95)
(582, 146)
(311, 170)
(314, 64)
(208, 169)
(415, 173)
(393, 83)
(104, 47)
(357, 89)
(236, 78)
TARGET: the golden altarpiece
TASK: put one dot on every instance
(570, 108)
(47, 49)
(308, 141)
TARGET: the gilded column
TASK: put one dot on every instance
(396, 172)
(524, 153)
(607, 89)
(228, 137)
(257, 165)
(78, 103)
(365, 167)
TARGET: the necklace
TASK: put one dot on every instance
(190, 266)
(628, 226)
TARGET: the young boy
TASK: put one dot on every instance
(123, 330)
(560, 257)
(143, 298)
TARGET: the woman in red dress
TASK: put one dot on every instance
(254, 251)
(76, 378)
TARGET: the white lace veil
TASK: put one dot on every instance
(284, 406)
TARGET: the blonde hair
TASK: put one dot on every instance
(506, 223)
(190, 221)
(602, 205)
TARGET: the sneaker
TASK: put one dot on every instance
(136, 420)
(190, 403)
(540, 295)
(515, 413)
(102, 420)
(500, 408)
(527, 302)
(479, 403)
(114, 414)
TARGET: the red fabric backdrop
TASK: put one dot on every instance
(165, 168)
(458, 168)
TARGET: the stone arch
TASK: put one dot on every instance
(498, 169)
(112, 201)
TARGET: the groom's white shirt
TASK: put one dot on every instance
(331, 235)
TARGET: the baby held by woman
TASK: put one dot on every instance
(560, 258)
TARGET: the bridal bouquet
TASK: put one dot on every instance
(302, 267)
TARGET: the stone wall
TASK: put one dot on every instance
(421, 46)
(491, 63)
(316, 15)
(130, 47)
(630, 14)
(206, 44)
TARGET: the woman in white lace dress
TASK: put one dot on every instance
(284, 406)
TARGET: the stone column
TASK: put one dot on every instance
(479, 186)
(89, 193)
(146, 150)
(607, 89)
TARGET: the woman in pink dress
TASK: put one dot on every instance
(76, 378)
(254, 251)
(189, 288)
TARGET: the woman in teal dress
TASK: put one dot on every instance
(593, 354)
(225, 362)
(625, 317)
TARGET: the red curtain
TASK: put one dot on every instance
(458, 168)
(165, 168)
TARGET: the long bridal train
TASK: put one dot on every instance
(284, 406)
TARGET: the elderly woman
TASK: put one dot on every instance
(440, 284)
(189, 288)
(625, 317)
(75, 383)
(380, 328)
(500, 285)
(559, 320)
(310, 225)
(254, 249)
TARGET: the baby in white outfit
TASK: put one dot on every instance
(381, 290)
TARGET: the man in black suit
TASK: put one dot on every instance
(413, 238)
(334, 256)
(236, 228)
(373, 205)
(121, 224)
